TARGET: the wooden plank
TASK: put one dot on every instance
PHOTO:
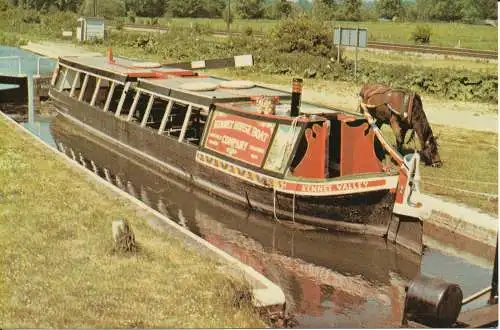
(479, 317)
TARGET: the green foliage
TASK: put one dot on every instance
(11, 40)
(250, 9)
(4, 5)
(148, 8)
(389, 8)
(31, 17)
(248, 31)
(131, 15)
(186, 8)
(323, 11)
(304, 34)
(227, 16)
(350, 11)
(441, 10)
(475, 10)
(422, 34)
(108, 9)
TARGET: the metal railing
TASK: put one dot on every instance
(38, 63)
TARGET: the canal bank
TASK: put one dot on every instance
(59, 266)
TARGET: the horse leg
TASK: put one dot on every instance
(398, 132)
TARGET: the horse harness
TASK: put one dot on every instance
(403, 110)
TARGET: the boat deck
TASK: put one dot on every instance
(190, 85)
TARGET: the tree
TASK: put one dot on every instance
(388, 8)
(475, 10)
(323, 10)
(351, 10)
(277, 9)
(305, 5)
(186, 8)
(440, 10)
(148, 8)
(108, 9)
(250, 9)
(214, 8)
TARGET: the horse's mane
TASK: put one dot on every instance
(420, 119)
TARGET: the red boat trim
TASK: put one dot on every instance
(304, 188)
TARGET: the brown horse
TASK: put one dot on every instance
(403, 110)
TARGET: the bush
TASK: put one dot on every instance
(31, 17)
(4, 5)
(119, 23)
(422, 34)
(304, 35)
(248, 31)
(131, 16)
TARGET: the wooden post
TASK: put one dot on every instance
(356, 57)
(338, 46)
(31, 101)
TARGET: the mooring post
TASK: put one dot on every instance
(31, 101)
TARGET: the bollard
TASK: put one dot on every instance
(31, 101)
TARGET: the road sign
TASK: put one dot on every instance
(353, 37)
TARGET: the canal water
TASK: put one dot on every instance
(330, 280)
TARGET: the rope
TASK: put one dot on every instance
(293, 127)
(461, 180)
(490, 196)
(274, 205)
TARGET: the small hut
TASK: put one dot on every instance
(89, 28)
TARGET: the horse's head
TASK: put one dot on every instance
(429, 153)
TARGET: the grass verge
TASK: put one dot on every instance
(58, 268)
(470, 167)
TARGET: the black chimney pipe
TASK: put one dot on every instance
(296, 96)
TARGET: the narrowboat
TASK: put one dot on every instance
(247, 144)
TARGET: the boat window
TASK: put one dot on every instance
(102, 92)
(124, 95)
(156, 113)
(176, 119)
(196, 126)
(282, 147)
(63, 81)
(89, 89)
(140, 108)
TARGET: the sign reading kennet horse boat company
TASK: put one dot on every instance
(240, 138)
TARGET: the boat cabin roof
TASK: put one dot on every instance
(189, 85)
